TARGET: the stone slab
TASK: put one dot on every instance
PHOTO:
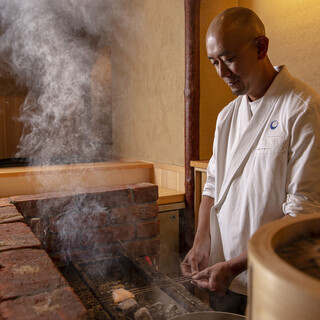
(10, 214)
(59, 304)
(16, 236)
(27, 272)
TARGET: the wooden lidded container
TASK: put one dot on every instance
(284, 270)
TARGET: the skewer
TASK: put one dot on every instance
(158, 284)
(165, 283)
(182, 278)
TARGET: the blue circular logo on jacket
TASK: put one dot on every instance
(274, 124)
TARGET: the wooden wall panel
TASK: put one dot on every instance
(10, 127)
(169, 176)
(3, 135)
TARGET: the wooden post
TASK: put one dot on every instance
(192, 96)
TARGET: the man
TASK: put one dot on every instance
(266, 155)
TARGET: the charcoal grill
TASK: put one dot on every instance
(94, 282)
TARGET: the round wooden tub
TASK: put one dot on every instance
(284, 270)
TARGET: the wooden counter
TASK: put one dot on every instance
(199, 165)
(167, 196)
(38, 179)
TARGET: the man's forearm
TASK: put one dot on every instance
(238, 264)
(203, 228)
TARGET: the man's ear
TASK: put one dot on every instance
(262, 44)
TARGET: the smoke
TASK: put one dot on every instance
(59, 50)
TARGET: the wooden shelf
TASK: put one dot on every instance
(169, 196)
(114, 165)
(199, 164)
(30, 180)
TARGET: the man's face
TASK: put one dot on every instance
(235, 60)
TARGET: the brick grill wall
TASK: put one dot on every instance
(29, 281)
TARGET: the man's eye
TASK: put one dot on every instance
(229, 60)
(215, 63)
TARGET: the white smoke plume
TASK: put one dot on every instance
(51, 46)
(59, 50)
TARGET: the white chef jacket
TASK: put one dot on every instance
(264, 165)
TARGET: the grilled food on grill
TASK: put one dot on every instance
(121, 294)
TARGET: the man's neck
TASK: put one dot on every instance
(268, 75)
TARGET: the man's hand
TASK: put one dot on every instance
(197, 258)
(216, 278)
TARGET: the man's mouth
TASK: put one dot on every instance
(232, 83)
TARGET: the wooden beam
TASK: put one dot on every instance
(192, 97)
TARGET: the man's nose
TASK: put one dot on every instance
(223, 70)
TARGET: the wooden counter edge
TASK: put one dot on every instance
(201, 164)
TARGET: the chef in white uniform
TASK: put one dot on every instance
(266, 153)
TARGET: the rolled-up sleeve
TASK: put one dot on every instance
(303, 172)
(209, 187)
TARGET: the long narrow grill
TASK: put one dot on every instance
(94, 283)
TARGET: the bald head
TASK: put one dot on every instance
(239, 23)
(237, 47)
